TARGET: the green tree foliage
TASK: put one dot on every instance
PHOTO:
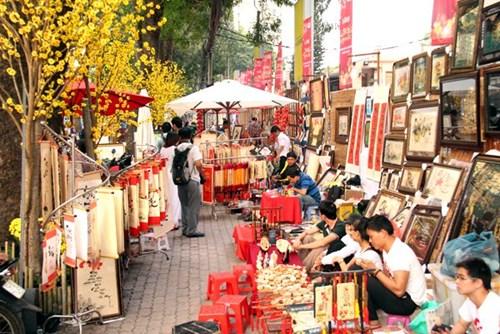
(321, 28)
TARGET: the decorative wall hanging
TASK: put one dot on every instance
(491, 106)
(394, 151)
(489, 41)
(384, 179)
(342, 124)
(439, 68)
(400, 80)
(377, 132)
(368, 106)
(422, 230)
(356, 132)
(411, 178)
(366, 133)
(323, 302)
(420, 76)
(398, 118)
(442, 182)
(316, 94)
(422, 135)
(98, 286)
(316, 124)
(459, 111)
(466, 35)
(394, 181)
(480, 204)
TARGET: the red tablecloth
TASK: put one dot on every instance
(254, 253)
(281, 208)
(243, 236)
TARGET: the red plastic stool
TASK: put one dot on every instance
(247, 272)
(238, 304)
(217, 313)
(398, 320)
(215, 280)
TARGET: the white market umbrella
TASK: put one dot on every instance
(144, 136)
(228, 94)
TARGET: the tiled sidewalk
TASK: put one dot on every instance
(159, 294)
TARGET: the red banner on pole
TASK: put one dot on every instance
(307, 49)
(278, 76)
(345, 65)
(257, 73)
(443, 22)
(267, 70)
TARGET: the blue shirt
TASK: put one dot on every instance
(306, 182)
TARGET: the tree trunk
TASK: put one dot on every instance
(206, 64)
(30, 203)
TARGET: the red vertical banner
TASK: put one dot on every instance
(267, 70)
(257, 73)
(345, 65)
(307, 49)
(208, 194)
(278, 76)
(443, 22)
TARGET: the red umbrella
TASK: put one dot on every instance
(110, 101)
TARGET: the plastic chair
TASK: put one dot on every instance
(247, 272)
(217, 313)
(238, 304)
(215, 280)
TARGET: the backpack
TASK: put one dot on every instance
(181, 174)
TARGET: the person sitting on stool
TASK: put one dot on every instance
(304, 186)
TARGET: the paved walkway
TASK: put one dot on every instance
(159, 294)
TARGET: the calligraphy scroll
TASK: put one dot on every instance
(346, 301)
(51, 250)
(377, 132)
(70, 238)
(356, 132)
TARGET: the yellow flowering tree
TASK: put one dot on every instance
(47, 45)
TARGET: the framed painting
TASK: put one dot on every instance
(389, 203)
(459, 111)
(327, 179)
(420, 76)
(384, 179)
(394, 181)
(489, 40)
(411, 178)
(491, 108)
(399, 115)
(400, 80)
(421, 233)
(422, 135)
(371, 206)
(466, 35)
(316, 123)
(401, 219)
(439, 68)
(98, 287)
(366, 135)
(316, 95)
(368, 106)
(480, 204)
(342, 124)
(394, 151)
(442, 182)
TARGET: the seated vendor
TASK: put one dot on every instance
(291, 162)
(400, 288)
(481, 308)
(332, 229)
(356, 228)
(306, 244)
(304, 186)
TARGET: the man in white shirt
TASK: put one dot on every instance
(282, 146)
(400, 288)
(481, 309)
(189, 194)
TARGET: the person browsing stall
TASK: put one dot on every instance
(282, 146)
(481, 309)
(176, 124)
(356, 231)
(308, 247)
(304, 186)
(400, 288)
(189, 192)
